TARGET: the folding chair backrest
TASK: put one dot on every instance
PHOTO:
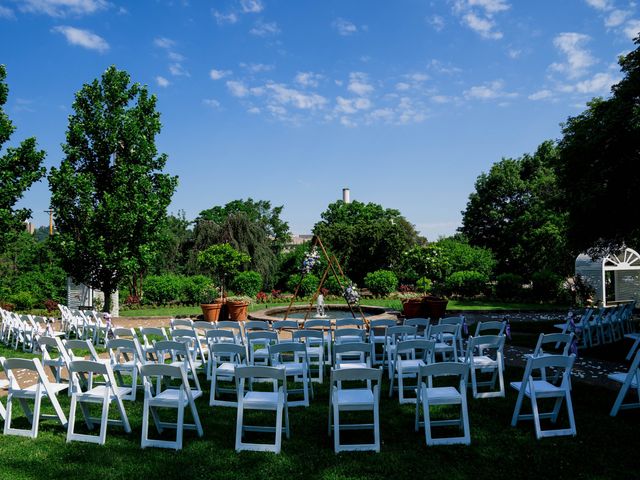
(217, 336)
(181, 323)
(444, 369)
(451, 321)
(203, 327)
(356, 374)
(427, 347)
(491, 342)
(260, 372)
(352, 349)
(89, 366)
(308, 335)
(381, 324)
(122, 332)
(160, 370)
(72, 345)
(229, 349)
(349, 322)
(317, 324)
(563, 342)
(123, 345)
(148, 332)
(420, 323)
(256, 325)
(49, 344)
(492, 326)
(262, 337)
(286, 347)
(285, 325)
(349, 335)
(438, 330)
(400, 332)
(562, 365)
(230, 324)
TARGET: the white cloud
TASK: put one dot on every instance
(178, 70)
(359, 84)
(164, 42)
(514, 53)
(289, 96)
(599, 4)
(344, 26)
(257, 67)
(489, 91)
(632, 29)
(402, 86)
(616, 18)
(443, 68)
(6, 12)
(262, 29)
(599, 83)
(83, 38)
(251, 6)
(211, 103)
(162, 82)
(436, 22)
(237, 88)
(352, 105)
(440, 99)
(479, 15)
(540, 95)
(224, 18)
(254, 110)
(63, 8)
(418, 77)
(218, 74)
(578, 58)
(308, 79)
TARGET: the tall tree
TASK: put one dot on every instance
(20, 167)
(516, 212)
(598, 167)
(109, 195)
(365, 237)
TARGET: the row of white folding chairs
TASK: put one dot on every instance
(84, 324)
(600, 325)
(18, 330)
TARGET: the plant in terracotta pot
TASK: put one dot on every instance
(238, 307)
(222, 261)
(411, 304)
(210, 303)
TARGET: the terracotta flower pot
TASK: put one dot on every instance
(224, 311)
(412, 308)
(237, 310)
(211, 311)
(435, 307)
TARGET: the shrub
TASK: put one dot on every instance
(50, 305)
(198, 289)
(381, 282)
(262, 297)
(423, 285)
(161, 289)
(546, 285)
(308, 286)
(467, 283)
(247, 283)
(23, 300)
(332, 285)
(509, 286)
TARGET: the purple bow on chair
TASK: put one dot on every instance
(465, 327)
(507, 330)
(574, 347)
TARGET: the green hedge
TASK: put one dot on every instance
(467, 283)
(381, 282)
(171, 288)
(247, 283)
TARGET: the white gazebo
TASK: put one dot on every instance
(618, 271)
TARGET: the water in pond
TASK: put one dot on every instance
(330, 314)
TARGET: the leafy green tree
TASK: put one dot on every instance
(223, 261)
(365, 237)
(20, 167)
(175, 240)
(464, 257)
(424, 261)
(598, 166)
(516, 212)
(109, 195)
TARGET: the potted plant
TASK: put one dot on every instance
(411, 304)
(238, 307)
(210, 303)
(221, 261)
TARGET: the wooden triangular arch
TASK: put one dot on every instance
(333, 267)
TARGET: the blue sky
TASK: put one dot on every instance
(406, 102)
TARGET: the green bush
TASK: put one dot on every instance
(546, 285)
(424, 285)
(467, 283)
(196, 288)
(333, 286)
(247, 283)
(381, 282)
(308, 286)
(23, 300)
(509, 286)
(168, 288)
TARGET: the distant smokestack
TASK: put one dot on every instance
(345, 195)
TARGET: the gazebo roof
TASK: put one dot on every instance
(627, 259)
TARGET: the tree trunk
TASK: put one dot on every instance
(107, 289)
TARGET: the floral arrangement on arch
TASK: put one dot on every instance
(311, 259)
(351, 294)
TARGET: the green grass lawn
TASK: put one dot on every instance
(604, 447)
(382, 302)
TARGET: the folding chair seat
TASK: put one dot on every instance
(101, 394)
(178, 354)
(53, 345)
(174, 396)
(149, 336)
(360, 398)
(261, 400)
(410, 355)
(394, 335)
(225, 357)
(198, 348)
(292, 358)
(430, 395)
(258, 342)
(629, 380)
(377, 335)
(14, 369)
(445, 336)
(541, 389)
(485, 355)
(313, 340)
(326, 328)
(125, 358)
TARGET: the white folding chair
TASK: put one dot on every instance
(258, 342)
(101, 394)
(349, 335)
(313, 340)
(177, 397)
(149, 336)
(410, 355)
(429, 395)
(178, 323)
(485, 356)
(360, 398)
(76, 348)
(125, 358)
(260, 400)
(422, 326)
(225, 357)
(285, 327)
(198, 349)
(542, 389)
(394, 335)
(252, 326)
(629, 380)
(352, 355)
(292, 358)
(445, 336)
(326, 328)
(461, 322)
(493, 327)
(234, 327)
(49, 346)
(178, 354)
(377, 336)
(14, 369)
